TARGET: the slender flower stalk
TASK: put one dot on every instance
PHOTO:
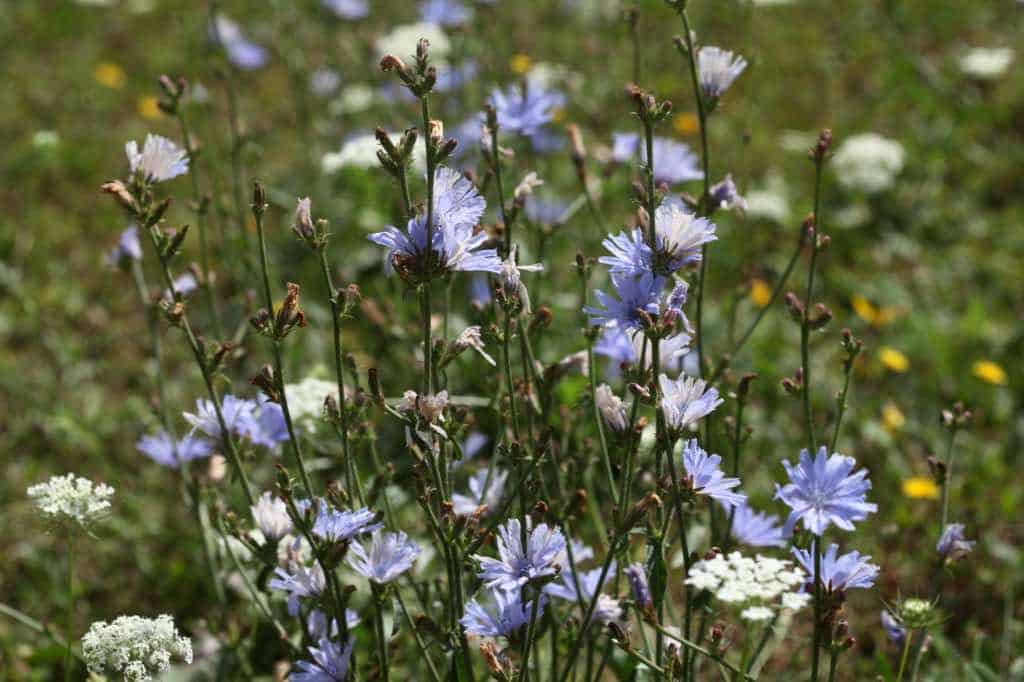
(144, 211)
(70, 626)
(259, 207)
(704, 204)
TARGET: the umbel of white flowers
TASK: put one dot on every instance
(135, 648)
(72, 499)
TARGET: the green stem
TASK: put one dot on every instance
(577, 645)
(841, 407)
(378, 621)
(332, 297)
(762, 642)
(833, 661)
(42, 628)
(275, 347)
(200, 210)
(776, 292)
(197, 352)
(947, 479)
(524, 675)
(904, 655)
(416, 635)
(600, 424)
(70, 627)
(817, 608)
(697, 649)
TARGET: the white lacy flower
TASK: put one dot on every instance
(868, 162)
(770, 201)
(72, 498)
(402, 40)
(159, 160)
(757, 613)
(306, 401)
(757, 587)
(986, 63)
(137, 648)
(358, 152)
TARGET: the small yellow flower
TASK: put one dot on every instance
(148, 107)
(760, 293)
(864, 309)
(109, 75)
(893, 360)
(920, 488)
(686, 123)
(558, 115)
(520, 63)
(990, 372)
(892, 417)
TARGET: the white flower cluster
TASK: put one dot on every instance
(72, 498)
(756, 586)
(135, 647)
(401, 41)
(306, 401)
(986, 63)
(868, 163)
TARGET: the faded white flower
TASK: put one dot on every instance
(159, 160)
(271, 516)
(868, 163)
(526, 186)
(470, 338)
(612, 409)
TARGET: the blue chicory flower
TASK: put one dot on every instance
(705, 477)
(163, 449)
(825, 490)
(851, 570)
(389, 556)
(517, 565)
(330, 663)
(502, 614)
(342, 525)
(526, 110)
(756, 529)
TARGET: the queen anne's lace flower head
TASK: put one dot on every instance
(851, 570)
(517, 565)
(717, 69)
(868, 162)
(824, 490)
(503, 614)
(72, 499)
(388, 556)
(159, 160)
(755, 587)
(134, 648)
(306, 401)
(703, 474)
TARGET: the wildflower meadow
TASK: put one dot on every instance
(565, 340)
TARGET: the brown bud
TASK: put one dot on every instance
(121, 193)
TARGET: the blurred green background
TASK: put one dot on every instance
(928, 271)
